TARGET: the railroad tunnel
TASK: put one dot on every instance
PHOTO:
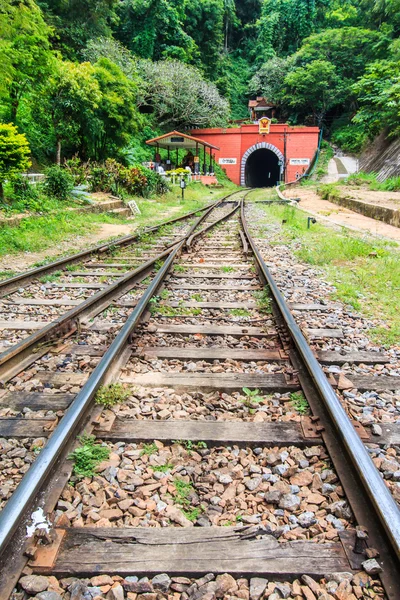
(262, 169)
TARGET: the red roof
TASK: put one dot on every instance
(164, 141)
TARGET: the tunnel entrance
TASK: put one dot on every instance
(262, 169)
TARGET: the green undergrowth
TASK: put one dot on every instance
(88, 455)
(364, 270)
(299, 403)
(38, 233)
(361, 179)
(170, 205)
(112, 394)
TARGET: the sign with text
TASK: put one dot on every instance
(227, 161)
(299, 161)
(263, 125)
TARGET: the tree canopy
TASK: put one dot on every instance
(92, 77)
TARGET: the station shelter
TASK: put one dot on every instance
(199, 157)
(263, 153)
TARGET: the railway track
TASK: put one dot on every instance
(229, 465)
(41, 303)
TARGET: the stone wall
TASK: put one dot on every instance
(382, 157)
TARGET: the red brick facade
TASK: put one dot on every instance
(239, 143)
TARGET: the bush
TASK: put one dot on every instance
(155, 183)
(391, 184)
(58, 183)
(23, 196)
(77, 169)
(350, 138)
(14, 153)
(329, 191)
(99, 178)
(111, 176)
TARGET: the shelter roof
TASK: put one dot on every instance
(175, 139)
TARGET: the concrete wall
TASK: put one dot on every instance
(301, 142)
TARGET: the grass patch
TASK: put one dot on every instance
(7, 274)
(189, 445)
(299, 403)
(110, 395)
(183, 491)
(251, 397)
(227, 269)
(263, 300)
(38, 233)
(240, 312)
(156, 307)
(369, 180)
(87, 456)
(193, 514)
(180, 268)
(162, 468)
(365, 271)
(263, 194)
(149, 449)
(50, 278)
(324, 157)
(197, 195)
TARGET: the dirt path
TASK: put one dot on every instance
(24, 260)
(332, 213)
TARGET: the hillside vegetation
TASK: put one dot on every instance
(99, 77)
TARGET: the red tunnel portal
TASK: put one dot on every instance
(252, 159)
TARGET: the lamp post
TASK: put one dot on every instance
(183, 185)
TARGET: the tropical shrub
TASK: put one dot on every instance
(14, 153)
(59, 183)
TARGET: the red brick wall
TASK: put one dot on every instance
(301, 142)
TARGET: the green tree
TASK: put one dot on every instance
(24, 51)
(76, 22)
(107, 47)
(269, 79)
(154, 29)
(314, 88)
(283, 24)
(378, 93)
(116, 116)
(231, 77)
(181, 98)
(350, 49)
(71, 97)
(14, 153)
(204, 23)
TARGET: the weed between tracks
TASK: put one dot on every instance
(240, 312)
(51, 278)
(365, 271)
(87, 456)
(110, 395)
(299, 402)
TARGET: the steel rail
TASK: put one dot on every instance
(203, 231)
(128, 239)
(24, 349)
(374, 486)
(23, 497)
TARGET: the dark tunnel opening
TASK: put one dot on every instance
(262, 169)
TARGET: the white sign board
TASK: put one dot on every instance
(227, 161)
(299, 161)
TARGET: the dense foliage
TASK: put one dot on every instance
(98, 77)
(14, 154)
